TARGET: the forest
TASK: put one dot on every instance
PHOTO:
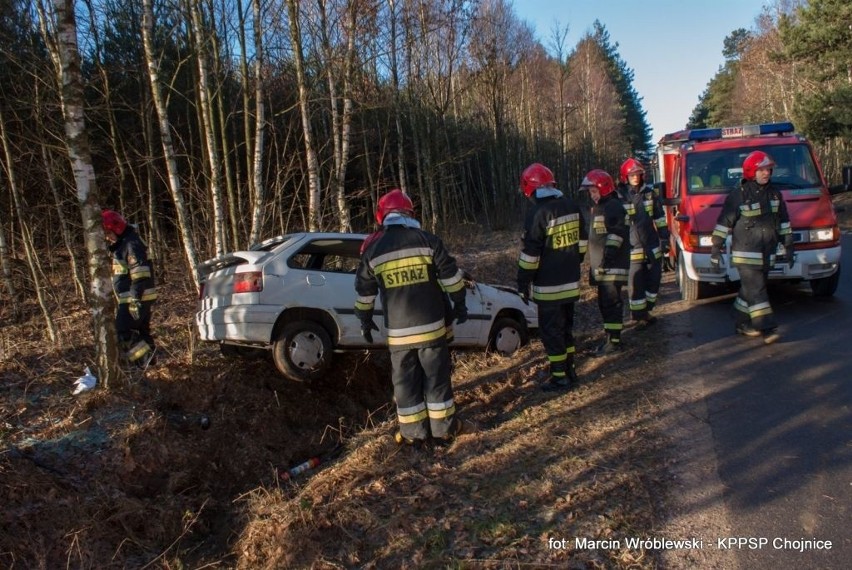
(214, 124)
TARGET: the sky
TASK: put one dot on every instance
(673, 46)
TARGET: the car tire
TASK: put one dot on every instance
(507, 336)
(302, 352)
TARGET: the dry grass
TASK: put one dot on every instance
(127, 478)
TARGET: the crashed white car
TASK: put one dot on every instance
(295, 295)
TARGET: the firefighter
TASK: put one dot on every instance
(648, 241)
(134, 286)
(756, 215)
(412, 271)
(609, 255)
(554, 243)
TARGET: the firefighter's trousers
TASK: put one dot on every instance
(134, 335)
(556, 328)
(752, 302)
(643, 286)
(423, 391)
(611, 307)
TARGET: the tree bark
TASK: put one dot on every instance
(255, 150)
(166, 138)
(311, 157)
(101, 300)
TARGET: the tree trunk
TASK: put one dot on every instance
(397, 104)
(209, 138)
(310, 152)
(100, 297)
(166, 137)
(257, 187)
(6, 267)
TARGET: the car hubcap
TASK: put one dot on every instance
(306, 350)
(507, 340)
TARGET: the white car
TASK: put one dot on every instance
(295, 295)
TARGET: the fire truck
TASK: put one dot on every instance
(694, 171)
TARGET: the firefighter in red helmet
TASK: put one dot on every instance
(649, 239)
(757, 218)
(413, 272)
(134, 286)
(609, 255)
(553, 246)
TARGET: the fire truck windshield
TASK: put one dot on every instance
(719, 171)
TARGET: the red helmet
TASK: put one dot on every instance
(113, 222)
(600, 180)
(631, 166)
(534, 177)
(394, 201)
(755, 160)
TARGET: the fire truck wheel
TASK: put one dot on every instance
(826, 286)
(690, 289)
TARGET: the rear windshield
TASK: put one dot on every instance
(719, 171)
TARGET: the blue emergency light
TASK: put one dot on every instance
(740, 131)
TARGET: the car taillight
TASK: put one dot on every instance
(249, 282)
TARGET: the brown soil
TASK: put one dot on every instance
(127, 477)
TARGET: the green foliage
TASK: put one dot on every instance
(818, 37)
(637, 129)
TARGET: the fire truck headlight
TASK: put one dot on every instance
(822, 234)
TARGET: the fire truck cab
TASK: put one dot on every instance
(695, 170)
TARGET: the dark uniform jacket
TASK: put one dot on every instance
(412, 269)
(759, 220)
(132, 271)
(554, 243)
(609, 241)
(639, 205)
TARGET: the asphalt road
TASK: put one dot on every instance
(781, 424)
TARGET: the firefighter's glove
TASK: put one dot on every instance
(367, 328)
(460, 313)
(716, 260)
(135, 308)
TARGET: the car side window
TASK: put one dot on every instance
(328, 255)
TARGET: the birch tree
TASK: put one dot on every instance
(256, 146)
(101, 300)
(166, 137)
(307, 132)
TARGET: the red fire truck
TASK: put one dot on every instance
(695, 169)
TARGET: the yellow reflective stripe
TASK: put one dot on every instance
(149, 294)
(140, 272)
(441, 414)
(584, 245)
(363, 306)
(528, 266)
(403, 263)
(557, 358)
(453, 284)
(412, 418)
(613, 326)
(613, 239)
(138, 350)
(119, 268)
(416, 338)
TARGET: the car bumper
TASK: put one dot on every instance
(239, 323)
(810, 264)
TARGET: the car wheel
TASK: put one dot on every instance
(827, 286)
(302, 351)
(508, 335)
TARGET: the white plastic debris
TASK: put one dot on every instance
(85, 382)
